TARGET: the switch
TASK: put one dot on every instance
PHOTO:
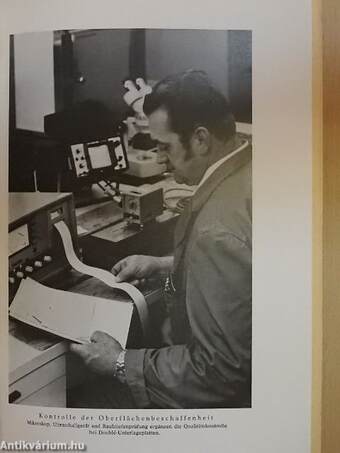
(38, 264)
(47, 258)
(29, 269)
(20, 274)
(11, 280)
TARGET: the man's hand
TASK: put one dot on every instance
(101, 354)
(136, 269)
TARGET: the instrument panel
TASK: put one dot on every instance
(34, 247)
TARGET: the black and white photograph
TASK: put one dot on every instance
(130, 218)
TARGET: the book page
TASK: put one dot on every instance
(259, 55)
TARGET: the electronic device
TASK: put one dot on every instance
(42, 373)
(91, 144)
(35, 248)
(98, 159)
(142, 206)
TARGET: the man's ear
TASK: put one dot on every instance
(200, 141)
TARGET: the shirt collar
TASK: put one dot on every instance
(218, 163)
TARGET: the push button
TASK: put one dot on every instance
(47, 258)
(29, 269)
(38, 264)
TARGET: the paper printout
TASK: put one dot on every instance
(70, 315)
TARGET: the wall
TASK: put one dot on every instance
(102, 57)
(224, 55)
(171, 51)
(34, 79)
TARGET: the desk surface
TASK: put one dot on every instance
(24, 358)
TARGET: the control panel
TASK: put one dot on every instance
(34, 246)
(98, 159)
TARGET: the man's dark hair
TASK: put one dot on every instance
(191, 100)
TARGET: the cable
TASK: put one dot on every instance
(182, 200)
(111, 191)
(178, 189)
